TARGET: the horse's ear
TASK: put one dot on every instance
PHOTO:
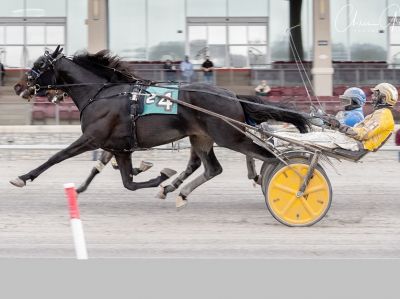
(56, 52)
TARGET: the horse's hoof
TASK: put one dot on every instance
(80, 189)
(180, 202)
(161, 194)
(18, 182)
(114, 163)
(145, 165)
(257, 181)
(168, 172)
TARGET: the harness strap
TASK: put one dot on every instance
(134, 115)
(91, 100)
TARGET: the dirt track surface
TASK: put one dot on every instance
(226, 217)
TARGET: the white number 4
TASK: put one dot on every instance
(166, 102)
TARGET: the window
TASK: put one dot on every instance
(394, 54)
(206, 8)
(237, 35)
(12, 8)
(238, 56)
(257, 34)
(2, 40)
(354, 35)
(76, 27)
(14, 35)
(35, 34)
(13, 56)
(394, 33)
(45, 8)
(217, 35)
(278, 40)
(55, 35)
(25, 41)
(255, 8)
(166, 25)
(128, 30)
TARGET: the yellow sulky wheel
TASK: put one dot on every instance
(291, 208)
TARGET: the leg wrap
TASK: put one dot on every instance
(168, 189)
(176, 183)
(186, 190)
(99, 166)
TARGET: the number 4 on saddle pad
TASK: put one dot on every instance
(154, 104)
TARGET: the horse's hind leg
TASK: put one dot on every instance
(204, 149)
(193, 164)
(251, 170)
(125, 166)
(104, 159)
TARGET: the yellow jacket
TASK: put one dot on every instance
(375, 128)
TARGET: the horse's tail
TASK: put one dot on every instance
(279, 112)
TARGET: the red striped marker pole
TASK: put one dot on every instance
(76, 224)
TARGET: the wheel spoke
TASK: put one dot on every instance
(285, 188)
(314, 189)
(289, 205)
(308, 207)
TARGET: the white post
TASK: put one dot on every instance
(97, 23)
(322, 69)
(76, 224)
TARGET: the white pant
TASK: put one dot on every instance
(328, 139)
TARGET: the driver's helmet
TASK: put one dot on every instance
(384, 94)
(353, 98)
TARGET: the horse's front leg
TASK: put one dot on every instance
(144, 166)
(125, 166)
(102, 162)
(105, 158)
(80, 146)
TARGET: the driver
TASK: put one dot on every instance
(353, 99)
(366, 135)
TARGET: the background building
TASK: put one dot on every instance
(234, 33)
(341, 42)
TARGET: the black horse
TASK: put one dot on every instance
(57, 96)
(106, 121)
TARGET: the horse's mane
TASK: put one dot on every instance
(106, 65)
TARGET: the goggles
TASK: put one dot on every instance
(345, 100)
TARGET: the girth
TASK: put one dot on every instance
(136, 95)
(136, 99)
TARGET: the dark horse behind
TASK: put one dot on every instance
(102, 90)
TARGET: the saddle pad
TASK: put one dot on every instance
(153, 104)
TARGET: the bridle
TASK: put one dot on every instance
(50, 59)
(35, 73)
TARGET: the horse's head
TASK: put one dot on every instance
(42, 73)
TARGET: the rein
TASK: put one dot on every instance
(142, 82)
(154, 84)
